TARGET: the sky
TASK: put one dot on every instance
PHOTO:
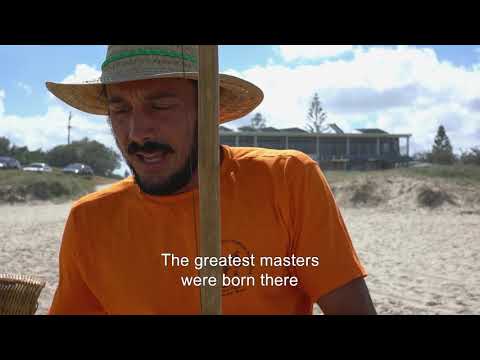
(399, 88)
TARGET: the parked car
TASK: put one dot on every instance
(9, 163)
(78, 169)
(38, 167)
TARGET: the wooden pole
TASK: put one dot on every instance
(208, 174)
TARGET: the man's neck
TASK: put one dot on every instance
(193, 183)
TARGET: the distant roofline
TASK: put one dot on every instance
(372, 131)
(314, 135)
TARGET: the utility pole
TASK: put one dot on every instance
(69, 127)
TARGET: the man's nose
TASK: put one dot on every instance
(141, 127)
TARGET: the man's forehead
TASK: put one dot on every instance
(150, 88)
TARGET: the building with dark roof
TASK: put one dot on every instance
(369, 148)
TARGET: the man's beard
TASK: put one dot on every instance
(176, 181)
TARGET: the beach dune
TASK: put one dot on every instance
(420, 260)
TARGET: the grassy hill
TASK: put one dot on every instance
(462, 174)
(428, 187)
(462, 181)
(21, 186)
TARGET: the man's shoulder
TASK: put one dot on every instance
(107, 194)
(255, 154)
(292, 166)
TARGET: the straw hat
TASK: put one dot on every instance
(137, 62)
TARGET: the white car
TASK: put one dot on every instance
(38, 167)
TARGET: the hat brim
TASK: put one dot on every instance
(238, 97)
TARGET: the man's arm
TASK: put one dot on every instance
(351, 299)
(72, 296)
(337, 283)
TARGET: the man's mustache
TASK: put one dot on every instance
(148, 147)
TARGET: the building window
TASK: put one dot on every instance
(227, 140)
(245, 141)
(386, 147)
(271, 142)
(303, 144)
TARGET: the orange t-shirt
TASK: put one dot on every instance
(274, 203)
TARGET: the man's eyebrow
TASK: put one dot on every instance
(115, 100)
(154, 96)
(161, 95)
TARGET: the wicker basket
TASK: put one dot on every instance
(19, 294)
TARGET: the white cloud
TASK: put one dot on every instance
(49, 129)
(312, 52)
(81, 74)
(400, 89)
(27, 88)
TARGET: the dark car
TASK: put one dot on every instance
(78, 169)
(9, 163)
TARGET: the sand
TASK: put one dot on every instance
(30, 242)
(420, 260)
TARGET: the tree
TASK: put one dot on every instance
(21, 153)
(442, 152)
(258, 121)
(62, 155)
(36, 156)
(103, 160)
(316, 116)
(471, 157)
(4, 146)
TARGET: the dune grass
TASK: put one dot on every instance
(19, 186)
(463, 174)
(458, 172)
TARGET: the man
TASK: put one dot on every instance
(274, 204)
